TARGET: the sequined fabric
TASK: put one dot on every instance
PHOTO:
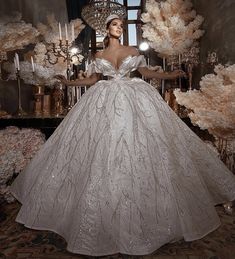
(122, 173)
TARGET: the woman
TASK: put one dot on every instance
(122, 173)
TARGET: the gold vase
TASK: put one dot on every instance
(46, 105)
(38, 99)
(58, 101)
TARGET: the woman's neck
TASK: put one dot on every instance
(113, 43)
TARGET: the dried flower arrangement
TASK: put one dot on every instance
(171, 26)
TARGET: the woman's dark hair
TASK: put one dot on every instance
(106, 38)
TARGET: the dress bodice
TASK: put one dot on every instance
(105, 67)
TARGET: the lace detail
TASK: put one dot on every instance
(122, 173)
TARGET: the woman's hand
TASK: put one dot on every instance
(149, 73)
(62, 79)
(177, 73)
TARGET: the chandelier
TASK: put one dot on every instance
(96, 12)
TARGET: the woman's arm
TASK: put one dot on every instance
(88, 81)
(147, 73)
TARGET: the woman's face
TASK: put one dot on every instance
(115, 28)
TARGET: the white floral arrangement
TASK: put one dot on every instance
(213, 106)
(15, 33)
(17, 148)
(43, 75)
(50, 31)
(51, 35)
(171, 26)
(45, 71)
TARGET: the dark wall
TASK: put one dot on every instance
(219, 26)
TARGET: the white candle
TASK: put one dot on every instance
(72, 28)
(32, 64)
(60, 34)
(17, 61)
(86, 65)
(66, 32)
(164, 63)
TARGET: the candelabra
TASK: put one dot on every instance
(175, 62)
(190, 59)
(70, 54)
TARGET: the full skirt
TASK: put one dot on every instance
(123, 174)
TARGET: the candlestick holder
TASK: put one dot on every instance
(57, 100)
(65, 50)
(38, 93)
(191, 60)
(20, 112)
(68, 52)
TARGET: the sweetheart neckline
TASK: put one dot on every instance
(121, 63)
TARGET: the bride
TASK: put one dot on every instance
(122, 173)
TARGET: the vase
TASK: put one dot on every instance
(46, 107)
(58, 100)
(226, 149)
(38, 99)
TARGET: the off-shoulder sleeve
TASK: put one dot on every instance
(141, 61)
(93, 68)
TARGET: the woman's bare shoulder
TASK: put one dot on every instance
(131, 51)
(99, 54)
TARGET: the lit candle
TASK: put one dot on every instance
(17, 61)
(60, 34)
(72, 28)
(32, 64)
(66, 32)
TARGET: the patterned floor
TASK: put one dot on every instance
(16, 241)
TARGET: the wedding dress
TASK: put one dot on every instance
(122, 173)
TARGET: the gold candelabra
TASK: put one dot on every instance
(68, 51)
(190, 59)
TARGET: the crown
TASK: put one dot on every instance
(111, 17)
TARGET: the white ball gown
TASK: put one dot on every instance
(122, 173)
